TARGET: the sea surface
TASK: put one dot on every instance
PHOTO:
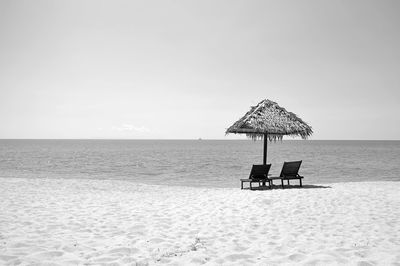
(205, 163)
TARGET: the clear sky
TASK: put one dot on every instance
(189, 69)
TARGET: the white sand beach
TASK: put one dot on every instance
(93, 222)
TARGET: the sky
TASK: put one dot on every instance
(190, 69)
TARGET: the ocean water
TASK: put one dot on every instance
(206, 163)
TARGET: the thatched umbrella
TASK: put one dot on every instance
(268, 121)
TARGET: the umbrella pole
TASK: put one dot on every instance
(265, 148)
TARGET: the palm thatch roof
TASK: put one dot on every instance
(269, 118)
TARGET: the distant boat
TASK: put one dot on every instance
(200, 139)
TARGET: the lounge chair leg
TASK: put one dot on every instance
(288, 182)
(300, 183)
(251, 188)
(282, 183)
(241, 184)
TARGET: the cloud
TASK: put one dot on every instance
(130, 128)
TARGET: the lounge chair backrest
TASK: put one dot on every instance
(259, 171)
(290, 168)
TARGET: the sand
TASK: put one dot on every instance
(94, 222)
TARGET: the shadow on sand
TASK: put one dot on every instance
(288, 187)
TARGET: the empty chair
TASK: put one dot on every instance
(290, 170)
(258, 174)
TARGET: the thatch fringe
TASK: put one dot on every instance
(269, 118)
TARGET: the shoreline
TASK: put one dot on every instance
(87, 221)
(276, 184)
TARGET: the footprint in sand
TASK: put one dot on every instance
(20, 245)
(137, 227)
(156, 240)
(240, 248)
(7, 257)
(199, 260)
(297, 257)
(124, 251)
(48, 255)
(236, 257)
(104, 259)
(365, 263)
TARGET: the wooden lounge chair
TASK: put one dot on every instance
(290, 170)
(258, 174)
